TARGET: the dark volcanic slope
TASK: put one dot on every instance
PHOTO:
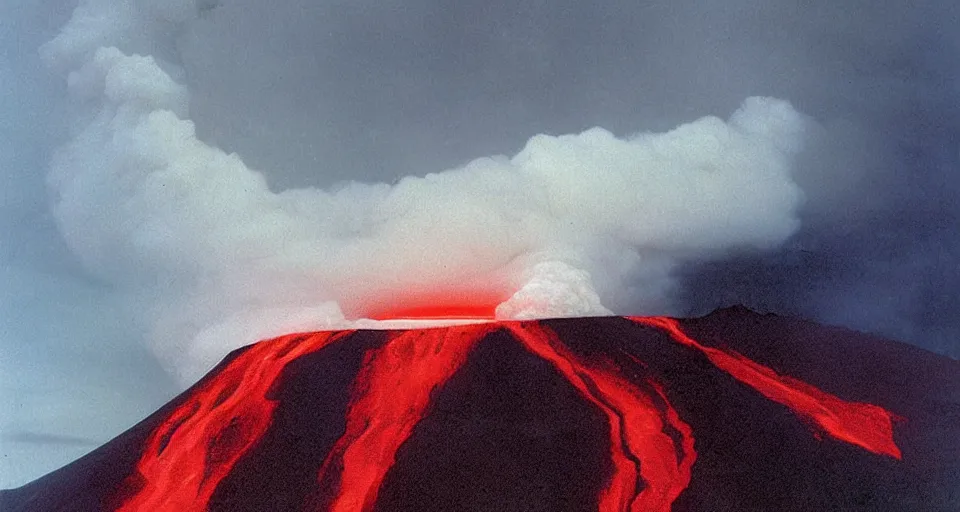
(732, 411)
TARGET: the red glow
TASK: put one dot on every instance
(391, 395)
(438, 305)
(445, 312)
(865, 425)
(637, 434)
(194, 448)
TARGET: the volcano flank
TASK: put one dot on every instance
(731, 411)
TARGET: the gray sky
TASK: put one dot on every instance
(317, 93)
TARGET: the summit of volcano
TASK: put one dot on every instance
(731, 411)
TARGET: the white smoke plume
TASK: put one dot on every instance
(569, 226)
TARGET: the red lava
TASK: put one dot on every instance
(198, 444)
(865, 425)
(644, 456)
(651, 448)
(390, 396)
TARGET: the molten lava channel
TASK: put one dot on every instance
(390, 397)
(651, 448)
(865, 425)
(195, 447)
(644, 456)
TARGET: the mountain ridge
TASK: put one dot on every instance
(750, 451)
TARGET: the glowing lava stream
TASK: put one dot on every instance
(637, 436)
(197, 445)
(394, 388)
(865, 425)
(390, 396)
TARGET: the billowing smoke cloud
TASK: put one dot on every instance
(219, 259)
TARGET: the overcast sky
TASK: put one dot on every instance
(316, 94)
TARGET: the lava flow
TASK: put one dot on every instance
(196, 446)
(644, 456)
(390, 396)
(393, 391)
(578, 432)
(865, 425)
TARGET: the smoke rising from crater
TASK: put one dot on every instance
(577, 224)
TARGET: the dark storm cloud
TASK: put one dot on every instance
(381, 90)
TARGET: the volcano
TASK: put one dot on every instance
(731, 411)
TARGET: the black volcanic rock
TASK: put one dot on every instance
(508, 430)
